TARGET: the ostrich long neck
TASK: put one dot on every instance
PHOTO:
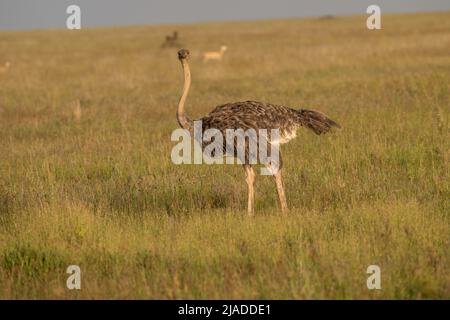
(182, 118)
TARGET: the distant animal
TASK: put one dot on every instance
(214, 55)
(5, 67)
(76, 110)
(171, 41)
(327, 17)
(253, 115)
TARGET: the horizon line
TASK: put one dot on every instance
(219, 21)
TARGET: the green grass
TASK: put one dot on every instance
(102, 192)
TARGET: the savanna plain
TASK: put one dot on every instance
(86, 176)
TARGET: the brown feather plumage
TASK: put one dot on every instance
(259, 115)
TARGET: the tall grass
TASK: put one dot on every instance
(86, 176)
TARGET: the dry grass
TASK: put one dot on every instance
(91, 183)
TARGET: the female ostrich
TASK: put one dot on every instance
(253, 115)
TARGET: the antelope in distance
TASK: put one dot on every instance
(171, 41)
(253, 115)
(214, 55)
(5, 67)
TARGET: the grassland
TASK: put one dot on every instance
(98, 189)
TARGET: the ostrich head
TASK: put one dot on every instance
(183, 54)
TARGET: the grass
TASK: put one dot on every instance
(94, 185)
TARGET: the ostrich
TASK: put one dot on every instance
(214, 55)
(253, 115)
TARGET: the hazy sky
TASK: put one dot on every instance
(32, 14)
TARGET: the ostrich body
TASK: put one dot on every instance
(214, 55)
(253, 115)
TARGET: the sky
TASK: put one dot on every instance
(44, 14)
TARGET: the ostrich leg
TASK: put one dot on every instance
(280, 190)
(250, 178)
(275, 169)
